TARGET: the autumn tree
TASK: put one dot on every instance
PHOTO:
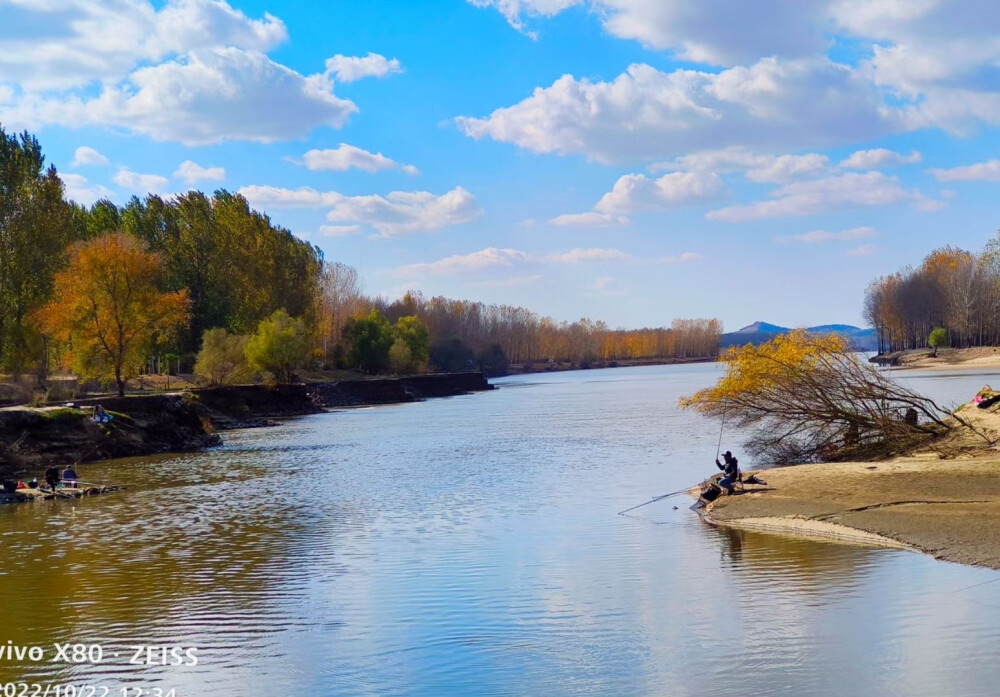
(280, 346)
(339, 297)
(108, 308)
(808, 397)
(411, 349)
(222, 359)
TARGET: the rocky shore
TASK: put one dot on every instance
(33, 438)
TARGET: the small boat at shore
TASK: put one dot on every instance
(61, 492)
(711, 490)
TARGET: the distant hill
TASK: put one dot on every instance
(760, 332)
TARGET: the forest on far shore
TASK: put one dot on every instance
(208, 285)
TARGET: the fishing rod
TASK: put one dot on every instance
(655, 499)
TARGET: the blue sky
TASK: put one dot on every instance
(630, 161)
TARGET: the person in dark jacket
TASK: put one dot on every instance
(730, 471)
(52, 477)
(69, 476)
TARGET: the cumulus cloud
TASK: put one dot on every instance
(756, 167)
(516, 10)
(935, 59)
(396, 213)
(85, 155)
(879, 157)
(191, 173)
(646, 113)
(821, 236)
(79, 42)
(191, 71)
(345, 157)
(590, 219)
(209, 97)
(351, 68)
(140, 183)
(984, 171)
(829, 193)
(401, 212)
(82, 191)
(636, 192)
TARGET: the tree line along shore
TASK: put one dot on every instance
(204, 284)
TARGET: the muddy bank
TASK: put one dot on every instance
(35, 438)
(980, 358)
(31, 439)
(949, 509)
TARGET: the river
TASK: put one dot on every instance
(471, 546)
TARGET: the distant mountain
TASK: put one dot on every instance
(760, 332)
(758, 327)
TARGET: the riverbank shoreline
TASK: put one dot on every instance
(980, 358)
(32, 438)
(946, 508)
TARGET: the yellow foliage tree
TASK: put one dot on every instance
(108, 309)
(810, 397)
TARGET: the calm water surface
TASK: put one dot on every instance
(471, 546)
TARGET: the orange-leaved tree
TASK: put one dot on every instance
(108, 309)
(810, 397)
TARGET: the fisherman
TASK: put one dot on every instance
(730, 471)
(69, 476)
(52, 477)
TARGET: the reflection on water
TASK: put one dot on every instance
(471, 546)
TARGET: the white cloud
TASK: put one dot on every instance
(590, 219)
(829, 193)
(208, 97)
(756, 167)
(400, 212)
(821, 236)
(862, 251)
(345, 157)
(636, 192)
(88, 156)
(351, 68)
(276, 197)
(396, 213)
(985, 171)
(339, 230)
(879, 157)
(82, 191)
(717, 32)
(603, 282)
(645, 113)
(140, 183)
(937, 59)
(191, 172)
(788, 167)
(79, 42)
(488, 258)
(516, 10)
(493, 258)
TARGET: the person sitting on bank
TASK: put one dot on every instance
(52, 477)
(101, 416)
(69, 477)
(730, 471)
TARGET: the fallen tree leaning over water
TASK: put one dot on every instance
(809, 398)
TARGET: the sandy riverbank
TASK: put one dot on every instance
(983, 358)
(948, 508)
